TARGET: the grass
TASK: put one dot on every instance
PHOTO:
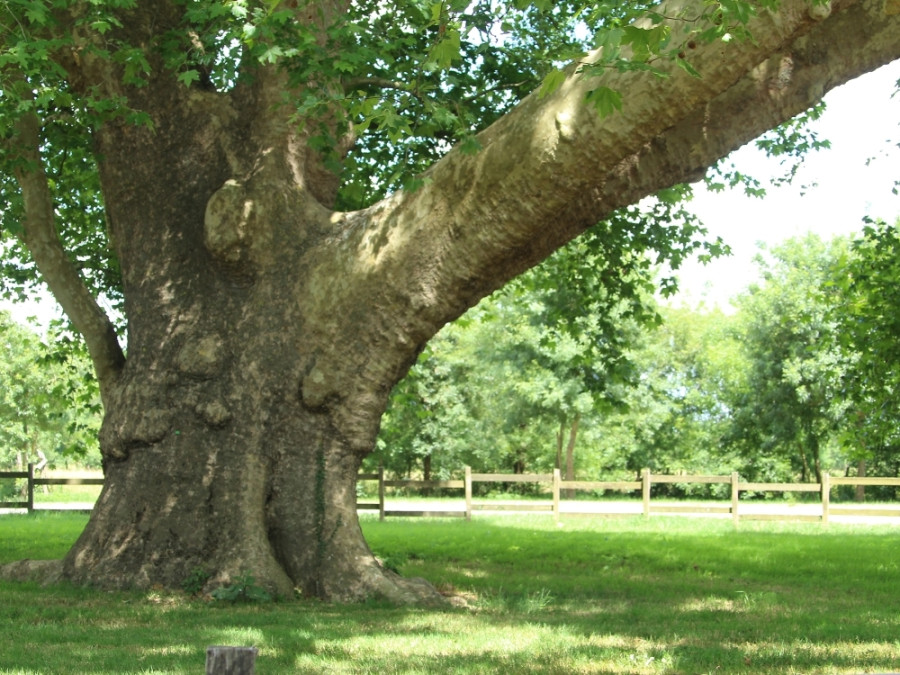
(67, 493)
(665, 595)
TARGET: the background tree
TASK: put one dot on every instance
(793, 403)
(48, 403)
(267, 324)
(679, 413)
(868, 320)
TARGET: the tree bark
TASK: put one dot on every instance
(559, 443)
(231, 660)
(860, 493)
(570, 454)
(265, 331)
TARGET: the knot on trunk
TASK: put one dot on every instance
(228, 222)
(819, 11)
(201, 358)
(317, 387)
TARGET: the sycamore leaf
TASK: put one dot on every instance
(552, 82)
(188, 77)
(686, 67)
(447, 50)
(470, 145)
(606, 101)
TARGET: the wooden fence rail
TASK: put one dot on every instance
(32, 481)
(554, 486)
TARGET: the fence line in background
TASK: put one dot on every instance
(32, 482)
(556, 486)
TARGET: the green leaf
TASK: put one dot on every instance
(686, 67)
(605, 101)
(188, 77)
(552, 82)
(645, 42)
(102, 26)
(447, 50)
(470, 145)
(437, 11)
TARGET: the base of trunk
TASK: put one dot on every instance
(44, 572)
(385, 585)
(164, 522)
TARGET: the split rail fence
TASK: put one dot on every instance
(555, 486)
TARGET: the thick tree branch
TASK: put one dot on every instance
(41, 239)
(552, 167)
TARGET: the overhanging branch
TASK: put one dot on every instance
(552, 168)
(41, 239)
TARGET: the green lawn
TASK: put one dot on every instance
(668, 595)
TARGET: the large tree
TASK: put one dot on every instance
(266, 325)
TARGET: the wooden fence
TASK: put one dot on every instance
(554, 486)
(31, 481)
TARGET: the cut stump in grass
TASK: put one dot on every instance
(230, 660)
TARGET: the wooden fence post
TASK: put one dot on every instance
(645, 491)
(29, 490)
(735, 497)
(556, 495)
(230, 660)
(826, 496)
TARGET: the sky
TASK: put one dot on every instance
(852, 179)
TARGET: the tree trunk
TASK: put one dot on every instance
(816, 455)
(259, 364)
(231, 660)
(804, 463)
(426, 474)
(570, 454)
(860, 494)
(560, 435)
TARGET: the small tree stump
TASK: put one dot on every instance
(230, 660)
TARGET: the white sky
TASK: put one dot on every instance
(862, 121)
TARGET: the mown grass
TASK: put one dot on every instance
(67, 493)
(664, 595)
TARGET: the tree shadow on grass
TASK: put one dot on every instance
(602, 600)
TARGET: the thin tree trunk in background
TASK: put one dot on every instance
(860, 473)
(570, 454)
(804, 475)
(40, 466)
(817, 460)
(426, 473)
(426, 467)
(559, 444)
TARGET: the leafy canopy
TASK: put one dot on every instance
(410, 79)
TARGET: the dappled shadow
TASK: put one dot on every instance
(592, 600)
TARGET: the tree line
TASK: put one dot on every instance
(556, 370)
(50, 410)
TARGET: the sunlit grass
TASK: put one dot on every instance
(664, 595)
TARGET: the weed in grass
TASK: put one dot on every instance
(195, 581)
(538, 601)
(393, 562)
(244, 589)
